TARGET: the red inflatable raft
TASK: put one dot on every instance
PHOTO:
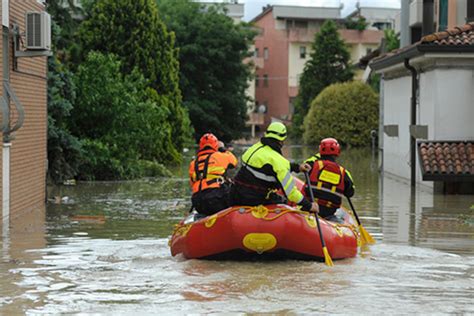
(273, 231)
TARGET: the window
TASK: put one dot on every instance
(265, 80)
(265, 53)
(292, 24)
(255, 53)
(301, 24)
(256, 81)
(302, 52)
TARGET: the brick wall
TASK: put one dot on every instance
(28, 151)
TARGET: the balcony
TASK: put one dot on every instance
(301, 34)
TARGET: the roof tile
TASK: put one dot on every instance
(447, 160)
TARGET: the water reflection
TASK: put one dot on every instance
(422, 263)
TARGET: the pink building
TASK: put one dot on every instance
(284, 43)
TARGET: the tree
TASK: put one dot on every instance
(346, 111)
(213, 76)
(64, 149)
(133, 31)
(329, 63)
(360, 24)
(119, 120)
(391, 41)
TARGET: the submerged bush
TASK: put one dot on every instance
(346, 111)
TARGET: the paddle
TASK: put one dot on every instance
(327, 257)
(365, 236)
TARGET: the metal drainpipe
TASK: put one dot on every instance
(414, 91)
(6, 135)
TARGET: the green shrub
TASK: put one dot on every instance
(346, 111)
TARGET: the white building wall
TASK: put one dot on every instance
(445, 105)
(454, 104)
(396, 150)
(427, 102)
(295, 63)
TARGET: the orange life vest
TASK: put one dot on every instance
(327, 183)
(207, 171)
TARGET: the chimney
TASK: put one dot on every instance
(470, 11)
(428, 18)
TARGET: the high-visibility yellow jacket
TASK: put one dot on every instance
(266, 169)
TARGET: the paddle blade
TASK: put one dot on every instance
(327, 257)
(365, 236)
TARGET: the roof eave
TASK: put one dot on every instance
(395, 59)
(418, 50)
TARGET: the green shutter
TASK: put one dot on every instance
(443, 15)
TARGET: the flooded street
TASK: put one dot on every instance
(104, 249)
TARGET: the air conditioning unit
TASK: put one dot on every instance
(38, 31)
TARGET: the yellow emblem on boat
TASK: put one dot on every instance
(338, 230)
(210, 221)
(311, 220)
(259, 211)
(181, 230)
(259, 242)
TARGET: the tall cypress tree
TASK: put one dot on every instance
(133, 31)
(329, 63)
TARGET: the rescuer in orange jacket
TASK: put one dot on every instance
(329, 180)
(207, 175)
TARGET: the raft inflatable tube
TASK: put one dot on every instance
(263, 232)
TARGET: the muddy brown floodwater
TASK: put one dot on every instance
(104, 250)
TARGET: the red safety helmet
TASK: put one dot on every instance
(208, 140)
(329, 146)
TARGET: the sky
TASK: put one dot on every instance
(254, 7)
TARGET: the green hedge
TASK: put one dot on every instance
(346, 111)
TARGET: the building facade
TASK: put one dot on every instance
(284, 43)
(426, 108)
(429, 16)
(24, 120)
(377, 17)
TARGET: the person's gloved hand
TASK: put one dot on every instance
(314, 208)
(304, 167)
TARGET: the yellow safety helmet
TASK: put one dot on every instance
(277, 131)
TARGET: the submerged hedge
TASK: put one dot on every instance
(346, 111)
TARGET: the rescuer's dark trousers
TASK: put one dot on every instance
(211, 201)
(242, 195)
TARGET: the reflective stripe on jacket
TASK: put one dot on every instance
(208, 170)
(328, 182)
(263, 167)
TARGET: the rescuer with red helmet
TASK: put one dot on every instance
(208, 175)
(329, 180)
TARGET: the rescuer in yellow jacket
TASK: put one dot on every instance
(264, 171)
(207, 176)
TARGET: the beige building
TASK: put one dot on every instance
(284, 43)
(24, 114)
